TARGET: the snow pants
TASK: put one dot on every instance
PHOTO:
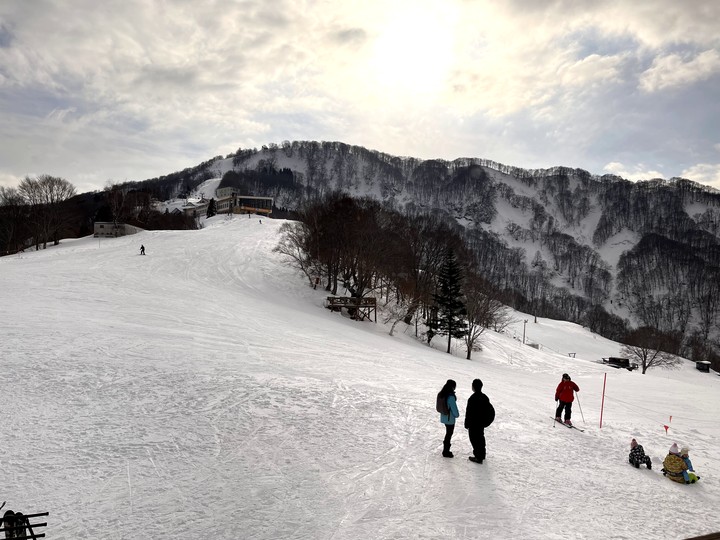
(449, 430)
(477, 440)
(636, 461)
(567, 405)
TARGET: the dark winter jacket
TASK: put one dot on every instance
(478, 407)
(637, 454)
(564, 391)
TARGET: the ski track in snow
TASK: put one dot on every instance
(202, 391)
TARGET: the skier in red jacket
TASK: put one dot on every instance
(564, 396)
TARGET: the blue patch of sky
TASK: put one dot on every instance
(669, 130)
(135, 125)
(591, 41)
(40, 103)
(6, 37)
(36, 102)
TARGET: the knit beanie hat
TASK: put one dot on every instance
(684, 451)
(633, 443)
(674, 449)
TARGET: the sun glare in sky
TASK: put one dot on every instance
(413, 51)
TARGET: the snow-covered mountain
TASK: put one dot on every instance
(204, 391)
(572, 244)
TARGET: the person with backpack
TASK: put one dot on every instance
(564, 397)
(479, 414)
(446, 405)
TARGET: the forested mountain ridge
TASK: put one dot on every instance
(566, 242)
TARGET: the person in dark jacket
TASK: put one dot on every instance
(475, 418)
(564, 397)
(637, 455)
(447, 397)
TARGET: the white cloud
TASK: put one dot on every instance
(412, 78)
(9, 180)
(60, 114)
(592, 68)
(635, 173)
(652, 23)
(704, 173)
(674, 70)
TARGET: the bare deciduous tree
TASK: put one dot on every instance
(645, 346)
(483, 311)
(294, 244)
(45, 195)
(12, 220)
(117, 201)
(395, 312)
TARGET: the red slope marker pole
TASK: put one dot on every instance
(602, 404)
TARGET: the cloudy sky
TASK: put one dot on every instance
(132, 89)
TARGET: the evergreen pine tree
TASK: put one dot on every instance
(211, 209)
(450, 309)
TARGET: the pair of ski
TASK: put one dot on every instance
(567, 425)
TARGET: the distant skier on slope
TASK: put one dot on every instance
(447, 407)
(142, 250)
(564, 397)
(637, 456)
(479, 414)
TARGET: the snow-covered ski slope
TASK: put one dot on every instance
(202, 391)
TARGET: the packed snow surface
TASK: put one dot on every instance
(203, 391)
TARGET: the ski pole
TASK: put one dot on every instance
(580, 406)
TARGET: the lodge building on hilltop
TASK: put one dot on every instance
(229, 202)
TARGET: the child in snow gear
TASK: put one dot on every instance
(689, 475)
(446, 405)
(637, 455)
(479, 414)
(564, 396)
(674, 466)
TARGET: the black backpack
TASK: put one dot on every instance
(488, 415)
(441, 405)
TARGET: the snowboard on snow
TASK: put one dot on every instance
(567, 426)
